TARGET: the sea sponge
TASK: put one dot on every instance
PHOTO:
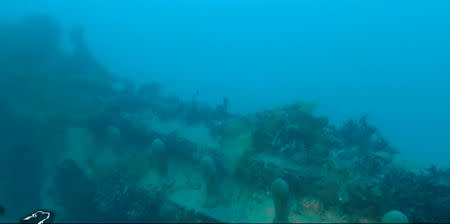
(394, 216)
(209, 171)
(280, 196)
(159, 154)
(235, 143)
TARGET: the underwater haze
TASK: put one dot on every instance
(387, 59)
(225, 110)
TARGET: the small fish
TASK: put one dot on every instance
(2, 210)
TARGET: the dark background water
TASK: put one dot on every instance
(387, 59)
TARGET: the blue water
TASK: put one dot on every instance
(89, 146)
(387, 59)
